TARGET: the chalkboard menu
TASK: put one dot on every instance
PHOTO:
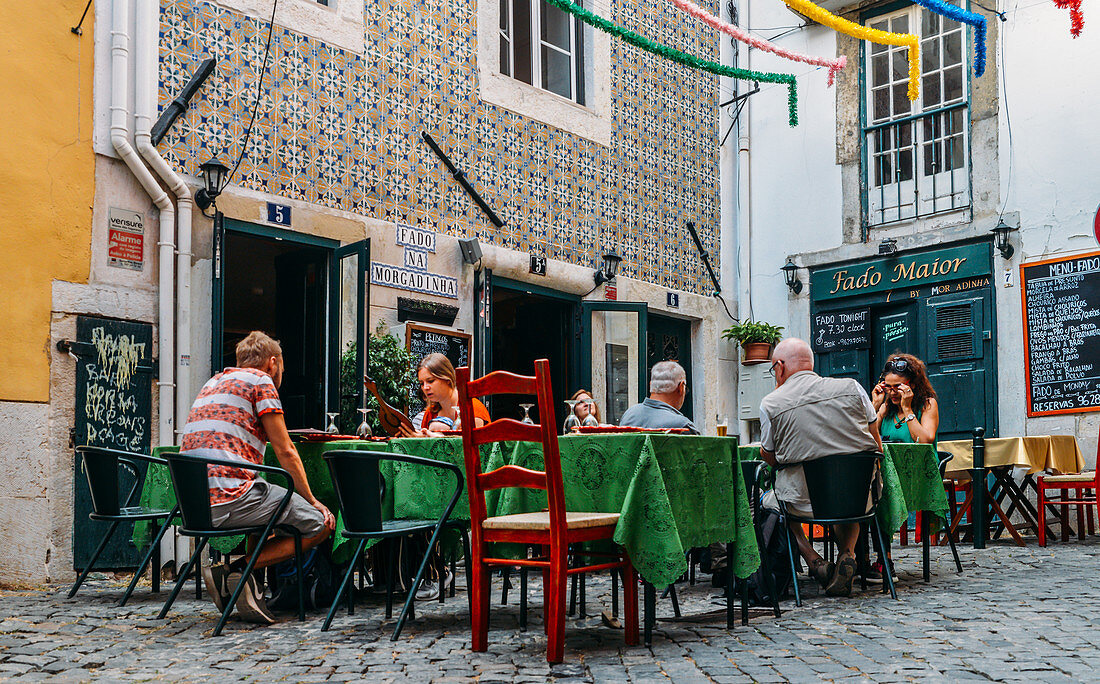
(422, 340)
(114, 410)
(1061, 302)
(839, 330)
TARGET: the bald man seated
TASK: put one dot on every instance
(809, 417)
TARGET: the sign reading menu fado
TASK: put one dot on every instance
(1061, 306)
(422, 340)
(113, 410)
(840, 330)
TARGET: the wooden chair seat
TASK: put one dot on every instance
(1078, 477)
(541, 521)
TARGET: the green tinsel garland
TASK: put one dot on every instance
(684, 58)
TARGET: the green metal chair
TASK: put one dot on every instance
(101, 466)
(191, 484)
(360, 488)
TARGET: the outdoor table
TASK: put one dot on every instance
(673, 492)
(911, 482)
(1057, 453)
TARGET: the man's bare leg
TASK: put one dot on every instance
(279, 549)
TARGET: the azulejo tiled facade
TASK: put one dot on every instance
(342, 130)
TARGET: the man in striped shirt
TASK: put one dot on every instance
(235, 415)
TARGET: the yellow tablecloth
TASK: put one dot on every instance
(1058, 453)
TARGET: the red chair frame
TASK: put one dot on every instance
(553, 542)
(1079, 493)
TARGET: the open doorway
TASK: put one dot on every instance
(279, 286)
(530, 325)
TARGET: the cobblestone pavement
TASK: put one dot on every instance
(1014, 614)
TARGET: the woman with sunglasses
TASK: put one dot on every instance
(906, 402)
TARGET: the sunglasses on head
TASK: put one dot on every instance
(896, 366)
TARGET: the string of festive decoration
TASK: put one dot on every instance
(834, 65)
(961, 15)
(1076, 17)
(672, 54)
(823, 16)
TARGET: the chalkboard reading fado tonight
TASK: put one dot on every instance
(1061, 311)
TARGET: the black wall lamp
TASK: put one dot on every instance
(1001, 235)
(790, 274)
(610, 268)
(213, 177)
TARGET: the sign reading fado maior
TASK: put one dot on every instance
(901, 271)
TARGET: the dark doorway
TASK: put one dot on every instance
(280, 287)
(527, 327)
(669, 339)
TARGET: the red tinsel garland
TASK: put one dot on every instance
(1076, 17)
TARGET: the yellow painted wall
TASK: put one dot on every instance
(47, 179)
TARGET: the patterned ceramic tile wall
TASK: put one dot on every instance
(341, 130)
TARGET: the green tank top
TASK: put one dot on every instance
(890, 431)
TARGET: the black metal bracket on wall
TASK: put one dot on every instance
(87, 350)
(460, 176)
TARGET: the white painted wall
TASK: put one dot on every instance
(1048, 174)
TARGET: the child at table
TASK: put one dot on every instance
(439, 389)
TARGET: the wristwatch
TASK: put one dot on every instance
(910, 417)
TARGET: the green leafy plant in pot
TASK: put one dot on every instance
(390, 365)
(757, 339)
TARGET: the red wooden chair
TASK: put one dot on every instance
(552, 530)
(1076, 490)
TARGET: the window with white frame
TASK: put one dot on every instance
(543, 46)
(917, 151)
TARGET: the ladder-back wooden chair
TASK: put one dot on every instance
(552, 530)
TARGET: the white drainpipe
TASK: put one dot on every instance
(146, 69)
(120, 139)
(744, 201)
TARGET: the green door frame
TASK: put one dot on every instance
(361, 251)
(217, 306)
(496, 282)
(640, 308)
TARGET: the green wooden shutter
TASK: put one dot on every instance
(957, 363)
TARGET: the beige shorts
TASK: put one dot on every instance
(256, 506)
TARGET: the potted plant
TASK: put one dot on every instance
(757, 339)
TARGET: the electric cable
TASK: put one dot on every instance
(259, 94)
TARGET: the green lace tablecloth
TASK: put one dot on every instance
(674, 492)
(910, 482)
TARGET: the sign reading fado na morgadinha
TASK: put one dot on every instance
(414, 274)
(897, 272)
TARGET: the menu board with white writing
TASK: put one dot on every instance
(1061, 303)
(422, 340)
(113, 410)
(838, 330)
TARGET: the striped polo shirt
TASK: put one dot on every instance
(224, 422)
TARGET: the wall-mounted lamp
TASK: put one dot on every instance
(1001, 235)
(213, 178)
(790, 274)
(888, 246)
(610, 268)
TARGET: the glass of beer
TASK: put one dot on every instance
(722, 424)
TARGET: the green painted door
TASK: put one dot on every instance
(959, 354)
(669, 339)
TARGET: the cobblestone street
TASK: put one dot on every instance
(1015, 614)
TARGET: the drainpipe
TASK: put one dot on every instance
(120, 139)
(744, 201)
(146, 83)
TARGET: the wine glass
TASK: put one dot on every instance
(364, 431)
(331, 428)
(527, 413)
(571, 420)
(590, 420)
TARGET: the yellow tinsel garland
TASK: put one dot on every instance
(823, 16)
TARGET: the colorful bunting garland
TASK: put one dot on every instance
(1076, 17)
(823, 16)
(961, 15)
(834, 65)
(684, 58)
